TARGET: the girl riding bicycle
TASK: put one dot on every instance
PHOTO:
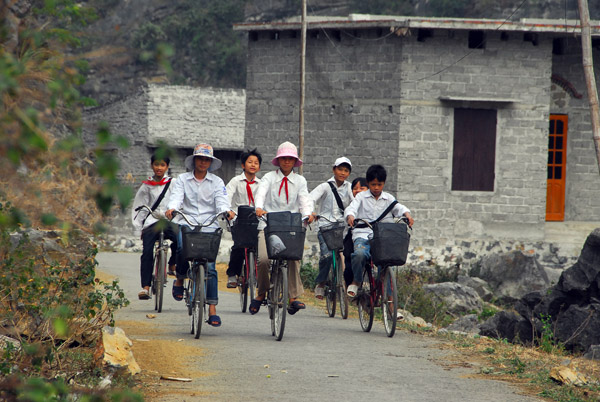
(154, 191)
(281, 190)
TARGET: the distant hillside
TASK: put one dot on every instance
(122, 46)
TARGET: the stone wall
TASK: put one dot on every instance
(582, 192)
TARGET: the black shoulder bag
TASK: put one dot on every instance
(158, 201)
(337, 197)
(387, 211)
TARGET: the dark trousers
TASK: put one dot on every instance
(236, 260)
(348, 250)
(149, 236)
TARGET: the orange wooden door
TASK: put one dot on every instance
(557, 163)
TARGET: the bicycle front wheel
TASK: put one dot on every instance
(159, 279)
(251, 275)
(341, 289)
(330, 290)
(198, 303)
(279, 300)
(389, 301)
(366, 306)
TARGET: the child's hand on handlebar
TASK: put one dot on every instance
(230, 215)
(260, 212)
(411, 221)
(169, 214)
(350, 220)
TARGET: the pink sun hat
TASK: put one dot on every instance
(203, 150)
(287, 149)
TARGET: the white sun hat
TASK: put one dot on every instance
(206, 151)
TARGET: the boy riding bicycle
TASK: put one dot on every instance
(153, 192)
(241, 190)
(200, 195)
(281, 190)
(370, 205)
(332, 198)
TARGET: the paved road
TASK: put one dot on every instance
(319, 358)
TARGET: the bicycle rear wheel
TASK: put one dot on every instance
(389, 301)
(243, 285)
(198, 301)
(330, 290)
(341, 289)
(279, 299)
(365, 301)
(159, 279)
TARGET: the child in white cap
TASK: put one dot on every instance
(281, 190)
(324, 197)
(200, 195)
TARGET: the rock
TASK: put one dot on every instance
(481, 287)
(567, 375)
(468, 324)
(593, 353)
(507, 325)
(457, 298)
(578, 327)
(6, 340)
(512, 275)
(117, 350)
(411, 319)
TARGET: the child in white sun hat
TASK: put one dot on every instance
(200, 195)
(281, 190)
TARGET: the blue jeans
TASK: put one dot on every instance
(325, 261)
(360, 257)
(212, 281)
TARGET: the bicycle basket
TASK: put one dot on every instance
(284, 236)
(200, 245)
(245, 235)
(389, 245)
(333, 234)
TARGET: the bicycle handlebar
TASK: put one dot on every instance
(328, 220)
(150, 211)
(204, 224)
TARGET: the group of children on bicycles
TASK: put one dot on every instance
(200, 194)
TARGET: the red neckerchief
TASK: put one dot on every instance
(249, 191)
(285, 180)
(164, 181)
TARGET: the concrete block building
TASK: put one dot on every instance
(483, 125)
(182, 117)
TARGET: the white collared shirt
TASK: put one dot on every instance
(147, 195)
(199, 201)
(324, 200)
(236, 191)
(366, 207)
(269, 198)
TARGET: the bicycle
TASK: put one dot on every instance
(381, 291)
(199, 248)
(245, 235)
(335, 289)
(159, 275)
(284, 237)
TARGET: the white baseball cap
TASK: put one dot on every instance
(341, 160)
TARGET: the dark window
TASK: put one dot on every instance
(474, 155)
(423, 34)
(476, 40)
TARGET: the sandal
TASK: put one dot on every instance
(177, 292)
(295, 306)
(214, 321)
(232, 282)
(255, 306)
(144, 294)
(352, 290)
(319, 292)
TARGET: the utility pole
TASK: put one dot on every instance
(590, 79)
(302, 84)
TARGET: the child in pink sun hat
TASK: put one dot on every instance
(281, 190)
